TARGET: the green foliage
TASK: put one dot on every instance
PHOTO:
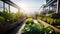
(48, 30)
(33, 29)
(6, 17)
(55, 21)
(42, 14)
(44, 19)
(51, 21)
(17, 16)
(11, 18)
(58, 21)
(48, 20)
(2, 21)
(29, 20)
(1, 13)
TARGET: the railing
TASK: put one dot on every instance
(50, 2)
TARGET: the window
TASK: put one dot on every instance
(1, 6)
(12, 9)
(6, 7)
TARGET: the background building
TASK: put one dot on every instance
(53, 5)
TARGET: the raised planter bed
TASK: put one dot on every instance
(54, 22)
(33, 28)
(46, 25)
(8, 27)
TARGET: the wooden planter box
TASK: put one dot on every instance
(8, 27)
(46, 25)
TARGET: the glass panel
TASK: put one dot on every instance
(6, 7)
(12, 9)
(1, 6)
(46, 9)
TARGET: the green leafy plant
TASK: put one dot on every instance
(51, 21)
(44, 19)
(6, 17)
(29, 20)
(48, 30)
(11, 18)
(18, 16)
(55, 21)
(2, 21)
(48, 20)
(58, 22)
(33, 29)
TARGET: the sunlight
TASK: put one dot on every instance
(23, 6)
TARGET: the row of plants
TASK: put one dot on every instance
(51, 21)
(8, 18)
(32, 28)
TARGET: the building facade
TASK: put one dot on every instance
(53, 5)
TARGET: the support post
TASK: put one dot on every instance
(9, 8)
(57, 6)
(3, 6)
(49, 8)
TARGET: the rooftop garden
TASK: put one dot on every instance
(33, 28)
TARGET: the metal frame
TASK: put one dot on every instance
(50, 3)
(10, 3)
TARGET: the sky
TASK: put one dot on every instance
(29, 5)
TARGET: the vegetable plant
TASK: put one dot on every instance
(2, 21)
(29, 20)
(36, 29)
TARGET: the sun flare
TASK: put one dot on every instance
(23, 5)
